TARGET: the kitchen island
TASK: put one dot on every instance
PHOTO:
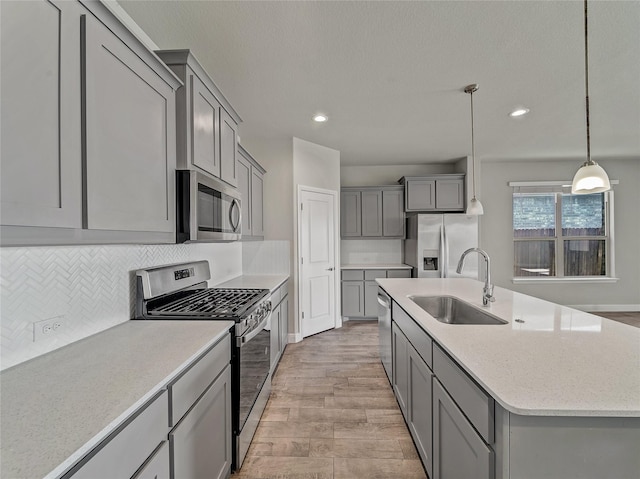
(562, 387)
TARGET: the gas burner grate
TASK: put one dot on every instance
(214, 303)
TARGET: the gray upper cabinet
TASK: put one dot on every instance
(207, 125)
(130, 154)
(372, 212)
(250, 178)
(434, 193)
(100, 168)
(41, 181)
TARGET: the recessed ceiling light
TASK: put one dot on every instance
(518, 112)
(320, 118)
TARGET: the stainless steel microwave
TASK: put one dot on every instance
(207, 209)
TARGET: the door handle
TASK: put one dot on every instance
(329, 269)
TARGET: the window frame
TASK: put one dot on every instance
(558, 189)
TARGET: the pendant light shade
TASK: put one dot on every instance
(590, 177)
(474, 207)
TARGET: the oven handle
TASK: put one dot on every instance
(242, 340)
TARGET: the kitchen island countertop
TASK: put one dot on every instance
(59, 406)
(375, 266)
(557, 361)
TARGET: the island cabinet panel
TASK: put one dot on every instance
(458, 451)
(419, 409)
(41, 182)
(157, 467)
(130, 446)
(130, 152)
(400, 361)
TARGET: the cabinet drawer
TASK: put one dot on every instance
(129, 447)
(399, 273)
(185, 390)
(476, 404)
(421, 341)
(352, 275)
(371, 274)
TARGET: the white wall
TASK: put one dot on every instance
(319, 167)
(389, 175)
(92, 287)
(496, 230)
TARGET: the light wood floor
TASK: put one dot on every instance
(332, 414)
(631, 318)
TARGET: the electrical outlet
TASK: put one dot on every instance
(47, 328)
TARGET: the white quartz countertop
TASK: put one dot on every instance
(375, 266)
(57, 407)
(271, 282)
(558, 362)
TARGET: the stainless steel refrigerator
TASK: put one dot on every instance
(435, 243)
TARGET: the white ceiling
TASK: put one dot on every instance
(390, 75)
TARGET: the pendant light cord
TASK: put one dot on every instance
(586, 82)
(473, 149)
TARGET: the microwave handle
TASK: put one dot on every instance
(235, 204)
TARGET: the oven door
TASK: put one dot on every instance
(254, 362)
(207, 209)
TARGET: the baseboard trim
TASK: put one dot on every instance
(294, 338)
(606, 307)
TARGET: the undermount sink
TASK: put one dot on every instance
(450, 310)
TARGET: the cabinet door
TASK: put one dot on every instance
(201, 443)
(284, 322)
(370, 299)
(393, 213)
(353, 298)
(157, 466)
(257, 205)
(275, 336)
(244, 185)
(458, 451)
(400, 367)
(130, 153)
(205, 127)
(350, 214)
(228, 148)
(420, 195)
(419, 410)
(450, 194)
(41, 181)
(371, 213)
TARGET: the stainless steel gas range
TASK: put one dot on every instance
(180, 291)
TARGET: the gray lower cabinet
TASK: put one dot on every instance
(444, 192)
(412, 385)
(102, 168)
(131, 447)
(372, 212)
(458, 451)
(251, 186)
(360, 290)
(201, 442)
(157, 466)
(279, 323)
(207, 125)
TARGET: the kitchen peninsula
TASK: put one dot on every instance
(554, 392)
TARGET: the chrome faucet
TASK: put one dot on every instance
(487, 292)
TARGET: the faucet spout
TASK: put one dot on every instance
(487, 292)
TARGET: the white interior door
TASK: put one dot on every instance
(317, 262)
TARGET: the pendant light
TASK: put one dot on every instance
(474, 207)
(590, 177)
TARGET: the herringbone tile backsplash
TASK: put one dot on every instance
(92, 287)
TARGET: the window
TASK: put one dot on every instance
(557, 234)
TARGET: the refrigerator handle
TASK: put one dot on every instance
(444, 260)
